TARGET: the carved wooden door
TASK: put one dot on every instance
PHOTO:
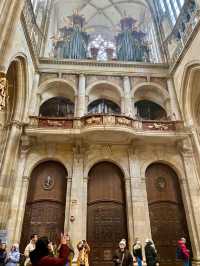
(167, 215)
(45, 208)
(107, 223)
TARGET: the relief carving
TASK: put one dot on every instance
(3, 92)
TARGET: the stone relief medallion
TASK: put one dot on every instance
(48, 183)
(160, 183)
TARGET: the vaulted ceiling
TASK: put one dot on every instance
(103, 15)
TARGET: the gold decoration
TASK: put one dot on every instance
(3, 91)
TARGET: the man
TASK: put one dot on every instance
(182, 253)
(150, 253)
(30, 247)
(122, 256)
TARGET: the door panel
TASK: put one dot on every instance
(45, 207)
(106, 224)
(167, 215)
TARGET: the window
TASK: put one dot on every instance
(171, 13)
(162, 5)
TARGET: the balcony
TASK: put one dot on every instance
(99, 126)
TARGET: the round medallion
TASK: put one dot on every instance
(48, 183)
(161, 183)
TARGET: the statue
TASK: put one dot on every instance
(73, 42)
(130, 43)
(3, 92)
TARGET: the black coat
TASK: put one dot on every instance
(151, 255)
(137, 252)
(125, 256)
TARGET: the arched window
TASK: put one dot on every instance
(148, 110)
(57, 107)
(103, 106)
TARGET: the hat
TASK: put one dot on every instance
(122, 242)
(183, 239)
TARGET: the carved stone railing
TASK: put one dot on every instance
(104, 120)
(33, 32)
(185, 27)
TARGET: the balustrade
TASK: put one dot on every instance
(104, 120)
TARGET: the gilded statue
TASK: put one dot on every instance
(3, 92)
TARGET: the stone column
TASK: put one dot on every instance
(77, 204)
(8, 170)
(127, 97)
(35, 97)
(141, 221)
(129, 210)
(84, 207)
(81, 96)
(67, 205)
(18, 204)
(190, 187)
(175, 110)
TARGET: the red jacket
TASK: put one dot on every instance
(52, 261)
(184, 250)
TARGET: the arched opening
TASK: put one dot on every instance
(149, 110)
(103, 106)
(106, 221)
(167, 214)
(57, 107)
(45, 206)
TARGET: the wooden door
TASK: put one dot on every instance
(107, 223)
(45, 207)
(167, 215)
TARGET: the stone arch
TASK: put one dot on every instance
(96, 161)
(177, 169)
(157, 93)
(20, 93)
(35, 163)
(55, 88)
(189, 96)
(102, 82)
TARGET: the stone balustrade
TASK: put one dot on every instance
(104, 120)
(185, 26)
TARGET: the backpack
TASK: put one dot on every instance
(179, 253)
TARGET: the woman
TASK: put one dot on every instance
(150, 253)
(137, 251)
(122, 256)
(13, 256)
(84, 250)
(40, 256)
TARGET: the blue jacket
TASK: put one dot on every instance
(13, 258)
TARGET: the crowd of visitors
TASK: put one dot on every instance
(41, 252)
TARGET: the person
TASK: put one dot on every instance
(13, 256)
(40, 255)
(182, 253)
(71, 253)
(137, 251)
(122, 256)
(84, 251)
(3, 254)
(150, 253)
(30, 247)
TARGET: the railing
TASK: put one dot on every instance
(104, 120)
(32, 30)
(182, 31)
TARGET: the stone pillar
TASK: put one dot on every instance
(190, 187)
(127, 97)
(67, 205)
(8, 170)
(77, 204)
(141, 221)
(35, 97)
(129, 210)
(18, 204)
(81, 96)
(175, 110)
